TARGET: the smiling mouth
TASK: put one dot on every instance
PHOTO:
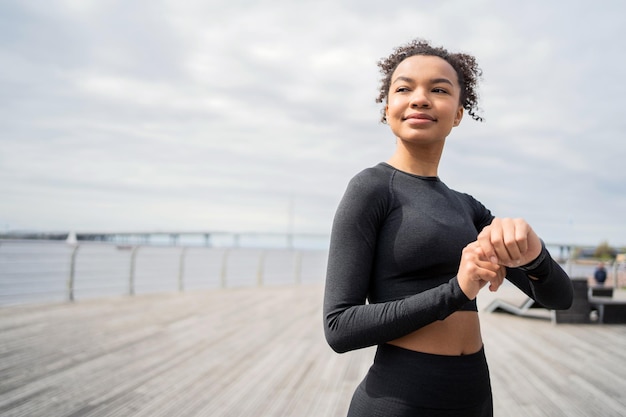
(418, 117)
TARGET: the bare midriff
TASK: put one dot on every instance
(458, 334)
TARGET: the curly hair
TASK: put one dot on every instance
(464, 65)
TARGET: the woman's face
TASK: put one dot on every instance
(423, 104)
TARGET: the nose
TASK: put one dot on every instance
(419, 98)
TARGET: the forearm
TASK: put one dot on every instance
(554, 291)
(545, 281)
(349, 327)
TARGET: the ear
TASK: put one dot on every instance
(387, 112)
(459, 116)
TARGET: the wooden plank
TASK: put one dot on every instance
(261, 351)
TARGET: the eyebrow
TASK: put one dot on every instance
(433, 81)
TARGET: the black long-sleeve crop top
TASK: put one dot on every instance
(395, 250)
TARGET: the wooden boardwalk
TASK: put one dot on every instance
(261, 352)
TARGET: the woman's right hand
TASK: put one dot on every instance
(475, 271)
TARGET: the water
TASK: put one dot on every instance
(41, 271)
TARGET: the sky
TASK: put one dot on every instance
(242, 116)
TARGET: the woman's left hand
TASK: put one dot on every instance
(509, 242)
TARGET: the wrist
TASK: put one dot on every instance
(541, 266)
(537, 261)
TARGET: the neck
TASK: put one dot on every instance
(415, 159)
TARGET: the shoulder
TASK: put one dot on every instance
(482, 215)
(468, 198)
(368, 192)
(372, 181)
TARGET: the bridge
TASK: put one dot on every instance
(177, 238)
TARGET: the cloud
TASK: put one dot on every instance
(195, 115)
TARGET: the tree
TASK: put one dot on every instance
(604, 251)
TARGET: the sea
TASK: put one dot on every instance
(40, 271)
(36, 271)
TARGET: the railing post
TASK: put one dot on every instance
(70, 278)
(181, 269)
(224, 270)
(260, 268)
(131, 278)
(568, 266)
(297, 267)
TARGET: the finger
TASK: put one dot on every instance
(482, 269)
(516, 237)
(501, 237)
(469, 274)
(495, 284)
(510, 240)
(478, 251)
(493, 278)
(492, 239)
(522, 233)
(484, 241)
(489, 272)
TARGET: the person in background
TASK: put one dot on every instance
(408, 255)
(599, 274)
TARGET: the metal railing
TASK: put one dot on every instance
(44, 271)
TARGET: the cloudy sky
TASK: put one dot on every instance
(253, 115)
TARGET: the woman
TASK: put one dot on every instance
(419, 253)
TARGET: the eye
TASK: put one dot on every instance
(402, 89)
(440, 90)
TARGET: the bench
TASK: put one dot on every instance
(580, 311)
(519, 306)
(600, 292)
(610, 310)
(502, 305)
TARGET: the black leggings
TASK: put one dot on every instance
(404, 383)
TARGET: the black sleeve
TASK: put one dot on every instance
(349, 322)
(553, 291)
